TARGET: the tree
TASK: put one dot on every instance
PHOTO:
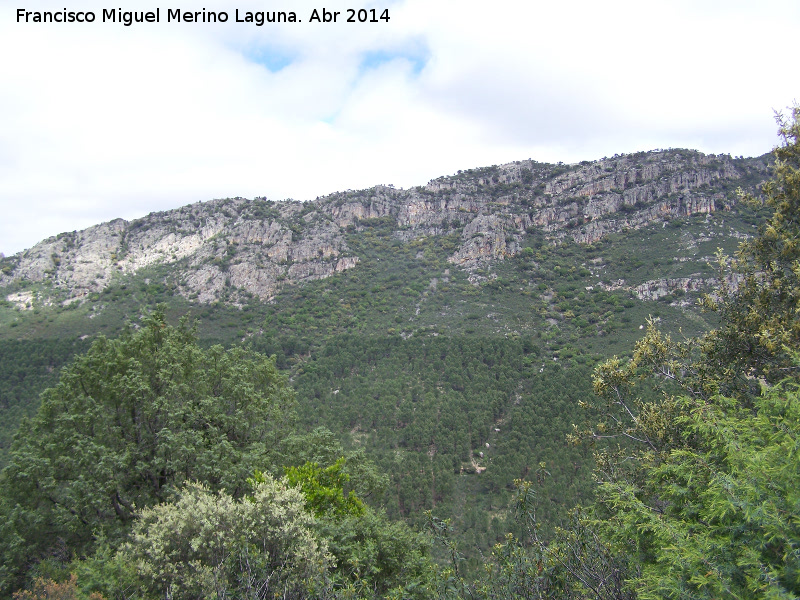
(718, 516)
(208, 544)
(374, 557)
(761, 316)
(700, 489)
(126, 425)
(44, 589)
(697, 492)
(323, 489)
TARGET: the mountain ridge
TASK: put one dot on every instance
(447, 330)
(236, 248)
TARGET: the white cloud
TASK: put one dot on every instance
(102, 120)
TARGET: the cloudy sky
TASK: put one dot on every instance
(101, 120)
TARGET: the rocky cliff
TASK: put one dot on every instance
(257, 246)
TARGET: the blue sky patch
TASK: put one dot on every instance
(272, 59)
(372, 60)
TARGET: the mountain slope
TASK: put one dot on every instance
(449, 330)
(225, 249)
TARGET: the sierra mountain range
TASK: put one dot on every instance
(257, 247)
(447, 331)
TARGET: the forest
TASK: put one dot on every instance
(606, 448)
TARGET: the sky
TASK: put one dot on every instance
(102, 120)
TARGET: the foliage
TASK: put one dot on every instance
(374, 556)
(208, 544)
(698, 490)
(127, 423)
(378, 558)
(106, 572)
(575, 562)
(761, 316)
(26, 368)
(323, 489)
(717, 518)
(424, 409)
(623, 411)
(701, 489)
(358, 474)
(47, 589)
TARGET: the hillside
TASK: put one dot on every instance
(231, 249)
(449, 330)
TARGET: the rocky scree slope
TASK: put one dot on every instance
(255, 247)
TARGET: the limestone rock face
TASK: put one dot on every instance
(484, 239)
(657, 288)
(80, 261)
(256, 247)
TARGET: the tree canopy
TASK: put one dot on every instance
(148, 470)
(697, 493)
(154, 452)
(761, 311)
(126, 425)
(207, 545)
(703, 494)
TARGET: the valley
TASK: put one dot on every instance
(448, 332)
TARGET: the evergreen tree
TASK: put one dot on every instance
(697, 491)
(700, 491)
(761, 312)
(125, 426)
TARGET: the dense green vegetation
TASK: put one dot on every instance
(99, 482)
(126, 423)
(452, 422)
(27, 367)
(401, 293)
(697, 491)
(175, 459)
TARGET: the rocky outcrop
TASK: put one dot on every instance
(485, 238)
(236, 246)
(677, 287)
(658, 288)
(250, 246)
